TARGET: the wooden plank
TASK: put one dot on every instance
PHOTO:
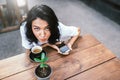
(107, 71)
(80, 61)
(26, 75)
(14, 65)
(21, 62)
(73, 64)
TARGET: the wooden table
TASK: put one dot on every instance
(89, 60)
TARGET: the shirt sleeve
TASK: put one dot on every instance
(25, 43)
(67, 31)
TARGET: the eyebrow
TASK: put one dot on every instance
(47, 26)
(39, 27)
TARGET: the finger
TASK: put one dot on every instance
(44, 45)
(58, 42)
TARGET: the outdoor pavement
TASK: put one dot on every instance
(69, 12)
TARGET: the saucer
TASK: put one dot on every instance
(32, 55)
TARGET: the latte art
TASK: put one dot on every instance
(36, 49)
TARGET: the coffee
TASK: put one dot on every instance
(36, 49)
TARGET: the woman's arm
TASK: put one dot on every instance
(73, 39)
(53, 46)
(27, 51)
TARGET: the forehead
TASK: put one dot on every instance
(39, 22)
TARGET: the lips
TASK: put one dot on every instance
(42, 39)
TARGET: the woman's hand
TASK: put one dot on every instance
(73, 39)
(53, 46)
(56, 47)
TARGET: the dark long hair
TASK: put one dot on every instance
(45, 13)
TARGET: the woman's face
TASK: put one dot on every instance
(41, 30)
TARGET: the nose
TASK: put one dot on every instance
(42, 33)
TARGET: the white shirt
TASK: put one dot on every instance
(66, 32)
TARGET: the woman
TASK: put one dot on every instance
(41, 27)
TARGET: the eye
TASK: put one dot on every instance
(36, 28)
(47, 28)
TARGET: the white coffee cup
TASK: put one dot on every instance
(36, 49)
